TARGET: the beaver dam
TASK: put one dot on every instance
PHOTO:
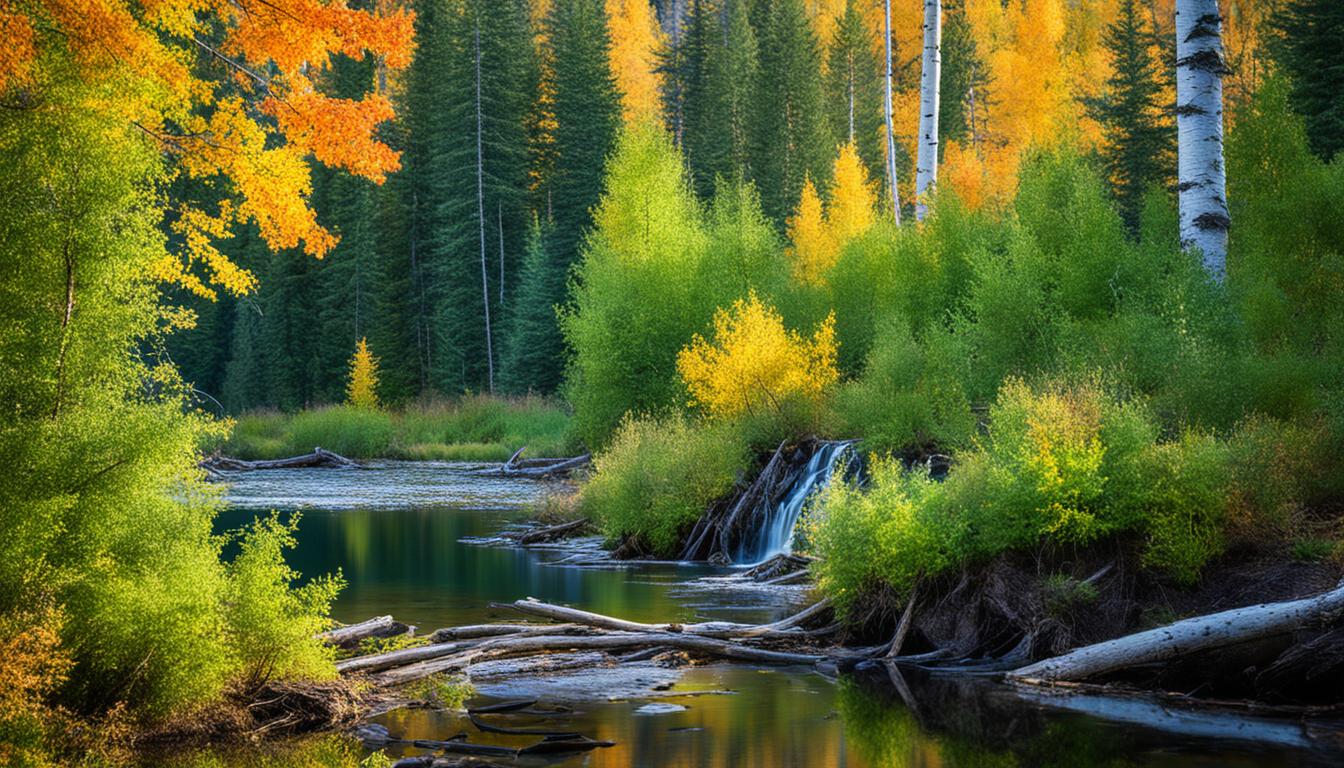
(576, 658)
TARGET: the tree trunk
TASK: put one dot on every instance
(891, 135)
(480, 217)
(1199, 125)
(926, 163)
(1200, 633)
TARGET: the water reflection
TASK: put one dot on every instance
(396, 532)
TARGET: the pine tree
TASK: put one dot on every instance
(854, 88)
(1138, 132)
(587, 114)
(964, 78)
(720, 67)
(361, 387)
(534, 356)
(1311, 49)
(791, 140)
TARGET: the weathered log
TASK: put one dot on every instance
(539, 468)
(1201, 633)
(351, 635)
(520, 646)
(477, 631)
(903, 626)
(405, 656)
(554, 532)
(717, 629)
(318, 458)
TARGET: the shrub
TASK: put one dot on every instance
(658, 476)
(755, 364)
(273, 623)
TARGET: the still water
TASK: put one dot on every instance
(415, 540)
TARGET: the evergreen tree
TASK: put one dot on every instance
(1139, 135)
(1311, 49)
(460, 217)
(963, 75)
(587, 115)
(693, 105)
(854, 88)
(534, 355)
(791, 141)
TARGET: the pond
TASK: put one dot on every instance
(416, 540)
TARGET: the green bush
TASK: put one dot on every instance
(658, 476)
(357, 433)
(272, 623)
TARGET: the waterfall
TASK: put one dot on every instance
(775, 534)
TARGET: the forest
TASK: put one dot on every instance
(1056, 287)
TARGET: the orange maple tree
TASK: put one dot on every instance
(157, 63)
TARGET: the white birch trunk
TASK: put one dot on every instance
(1199, 125)
(891, 135)
(480, 218)
(926, 161)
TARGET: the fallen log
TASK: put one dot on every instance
(1201, 633)
(351, 635)
(716, 629)
(553, 532)
(522, 646)
(318, 458)
(405, 656)
(538, 468)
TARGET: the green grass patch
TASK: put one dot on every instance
(476, 428)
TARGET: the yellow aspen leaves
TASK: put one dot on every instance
(635, 38)
(818, 234)
(755, 364)
(361, 391)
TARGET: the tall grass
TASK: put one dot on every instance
(476, 428)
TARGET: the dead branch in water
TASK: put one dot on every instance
(320, 457)
(351, 635)
(539, 469)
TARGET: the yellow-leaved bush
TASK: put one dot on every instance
(361, 390)
(755, 364)
(818, 235)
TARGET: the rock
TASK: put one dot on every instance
(372, 735)
(659, 709)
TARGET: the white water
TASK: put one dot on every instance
(776, 535)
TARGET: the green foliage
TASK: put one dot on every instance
(357, 433)
(442, 691)
(1312, 550)
(1139, 133)
(534, 352)
(657, 477)
(272, 622)
(853, 88)
(1308, 49)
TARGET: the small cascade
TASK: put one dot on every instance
(773, 534)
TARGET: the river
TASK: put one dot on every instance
(415, 540)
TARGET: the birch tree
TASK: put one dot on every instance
(926, 162)
(1201, 179)
(886, 111)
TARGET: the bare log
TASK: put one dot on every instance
(718, 629)
(521, 646)
(406, 656)
(320, 457)
(1201, 633)
(554, 532)
(351, 635)
(903, 627)
(539, 468)
(477, 631)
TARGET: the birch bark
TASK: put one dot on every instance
(891, 136)
(1201, 179)
(926, 160)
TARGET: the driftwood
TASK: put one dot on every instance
(539, 469)
(783, 629)
(1201, 633)
(351, 636)
(320, 457)
(903, 626)
(435, 650)
(554, 532)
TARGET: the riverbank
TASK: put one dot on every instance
(477, 428)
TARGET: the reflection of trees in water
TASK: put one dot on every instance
(965, 722)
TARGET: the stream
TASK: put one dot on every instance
(417, 540)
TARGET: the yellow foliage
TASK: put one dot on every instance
(813, 252)
(852, 198)
(361, 390)
(635, 39)
(756, 363)
(254, 128)
(963, 172)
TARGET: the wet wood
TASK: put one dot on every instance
(1201, 633)
(405, 656)
(555, 532)
(517, 466)
(318, 458)
(718, 629)
(903, 626)
(351, 635)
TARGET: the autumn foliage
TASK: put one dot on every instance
(361, 390)
(232, 91)
(755, 364)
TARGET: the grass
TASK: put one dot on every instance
(474, 428)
